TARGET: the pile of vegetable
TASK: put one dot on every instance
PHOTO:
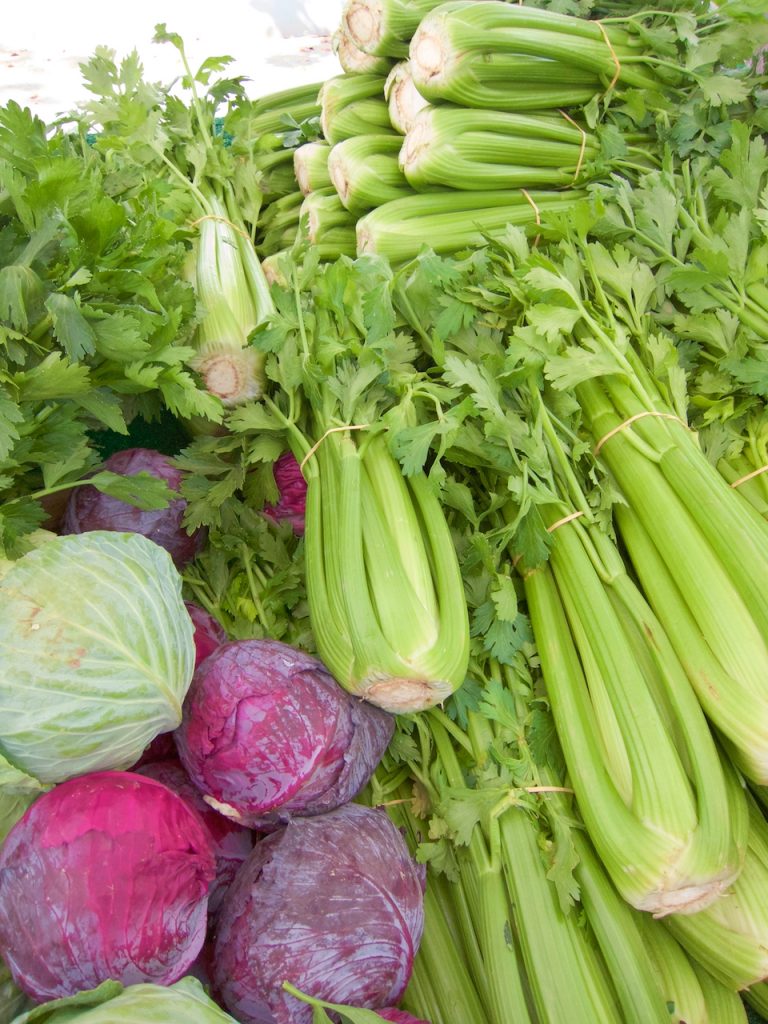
(383, 529)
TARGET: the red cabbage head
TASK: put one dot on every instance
(105, 876)
(332, 904)
(89, 509)
(230, 842)
(209, 633)
(267, 734)
(292, 490)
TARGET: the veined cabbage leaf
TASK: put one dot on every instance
(96, 653)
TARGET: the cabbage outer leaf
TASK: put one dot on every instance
(111, 1003)
(96, 653)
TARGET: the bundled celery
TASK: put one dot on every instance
(450, 145)
(510, 57)
(365, 172)
(353, 105)
(386, 601)
(279, 224)
(660, 806)
(700, 551)
(663, 810)
(355, 61)
(234, 297)
(403, 99)
(384, 27)
(467, 913)
(310, 164)
(327, 224)
(450, 221)
(728, 938)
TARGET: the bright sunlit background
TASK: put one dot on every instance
(274, 43)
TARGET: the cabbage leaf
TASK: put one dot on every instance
(111, 1003)
(96, 654)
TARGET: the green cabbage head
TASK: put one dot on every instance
(110, 1003)
(96, 653)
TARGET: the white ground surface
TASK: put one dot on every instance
(274, 43)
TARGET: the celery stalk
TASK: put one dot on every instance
(711, 613)
(651, 786)
(384, 27)
(403, 99)
(473, 30)
(365, 172)
(728, 938)
(453, 146)
(378, 544)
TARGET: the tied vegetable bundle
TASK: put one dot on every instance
(476, 558)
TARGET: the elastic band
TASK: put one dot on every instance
(631, 420)
(564, 520)
(222, 220)
(583, 149)
(331, 430)
(536, 211)
(616, 60)
(749, 476)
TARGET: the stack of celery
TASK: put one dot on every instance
(454, 120)
(516, 342)
(583, 799)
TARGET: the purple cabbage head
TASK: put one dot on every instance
(334, 905)
(267, 734)
(209, 633)
(292, 490)
(230, 842)
(89, 509)
(105, 876)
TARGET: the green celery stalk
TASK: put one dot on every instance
(384, 27)
(385, 594)
(757, 997)
(734, 707)
(353, 105)
(654, 793)
(234, 297)
(310, 164)
(473, 149)
(474, 31)
(703, 589)
(449, 221)
(644, 992)
(365, 172)
(355, 61)
(403, 98)
(728, 938)
(724, 1004)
